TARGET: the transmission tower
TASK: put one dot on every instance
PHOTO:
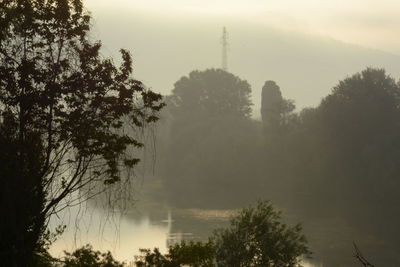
(224, 42)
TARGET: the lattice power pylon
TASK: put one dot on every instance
(224, 42)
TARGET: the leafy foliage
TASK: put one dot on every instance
(64, 115)
(275, 110)
(196, 254)
(87, 257)
(257, 237)
(213, 92)
(336, 161)
(342, 159)
(152, 259)
(357, 129)
(210, 123)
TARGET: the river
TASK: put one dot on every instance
(125, 234)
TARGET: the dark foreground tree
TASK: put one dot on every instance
(64, 118)
(195, 254)
(87, 257)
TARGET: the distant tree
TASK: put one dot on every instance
(360, 123)
(361, 108)
(347, 155)
(210, 129)
(257, 237)
(274, 108)
(64, 118)
(271, 103)
(358, 126)
(278, 123)
(213, 92)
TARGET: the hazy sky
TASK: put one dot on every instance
(371, 23)
(306, 46)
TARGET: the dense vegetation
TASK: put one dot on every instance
(339, 160)
(64, 110)
(69, 120)
(256, 237)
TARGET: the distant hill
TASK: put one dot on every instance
(165, 48)
(305, 67)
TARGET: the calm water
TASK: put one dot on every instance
(124, 235)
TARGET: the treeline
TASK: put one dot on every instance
(339, 159)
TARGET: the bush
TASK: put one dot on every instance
(257, 237)
(87, 257)
(196, 254)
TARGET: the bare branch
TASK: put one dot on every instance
(358, 255)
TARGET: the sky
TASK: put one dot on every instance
(370, 23)
(305, 46)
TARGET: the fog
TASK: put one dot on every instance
(146, 140)
(272, 44)
(306, 49)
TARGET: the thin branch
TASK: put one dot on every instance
(358, 255)
(65, 192)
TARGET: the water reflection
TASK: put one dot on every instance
(122, 235)
(125, 235)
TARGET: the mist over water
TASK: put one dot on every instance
(223, 132)
(124, 234)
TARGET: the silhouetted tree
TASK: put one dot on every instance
(210, 131)
(195, 254)
(257, 237)
(63, 114)
(274, 108)
(336, 161)
(213, 92)
(359, 123)
(278, 121)
(87, 257)
(345, 154)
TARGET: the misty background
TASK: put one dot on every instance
(306, 47)
(215, 161)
